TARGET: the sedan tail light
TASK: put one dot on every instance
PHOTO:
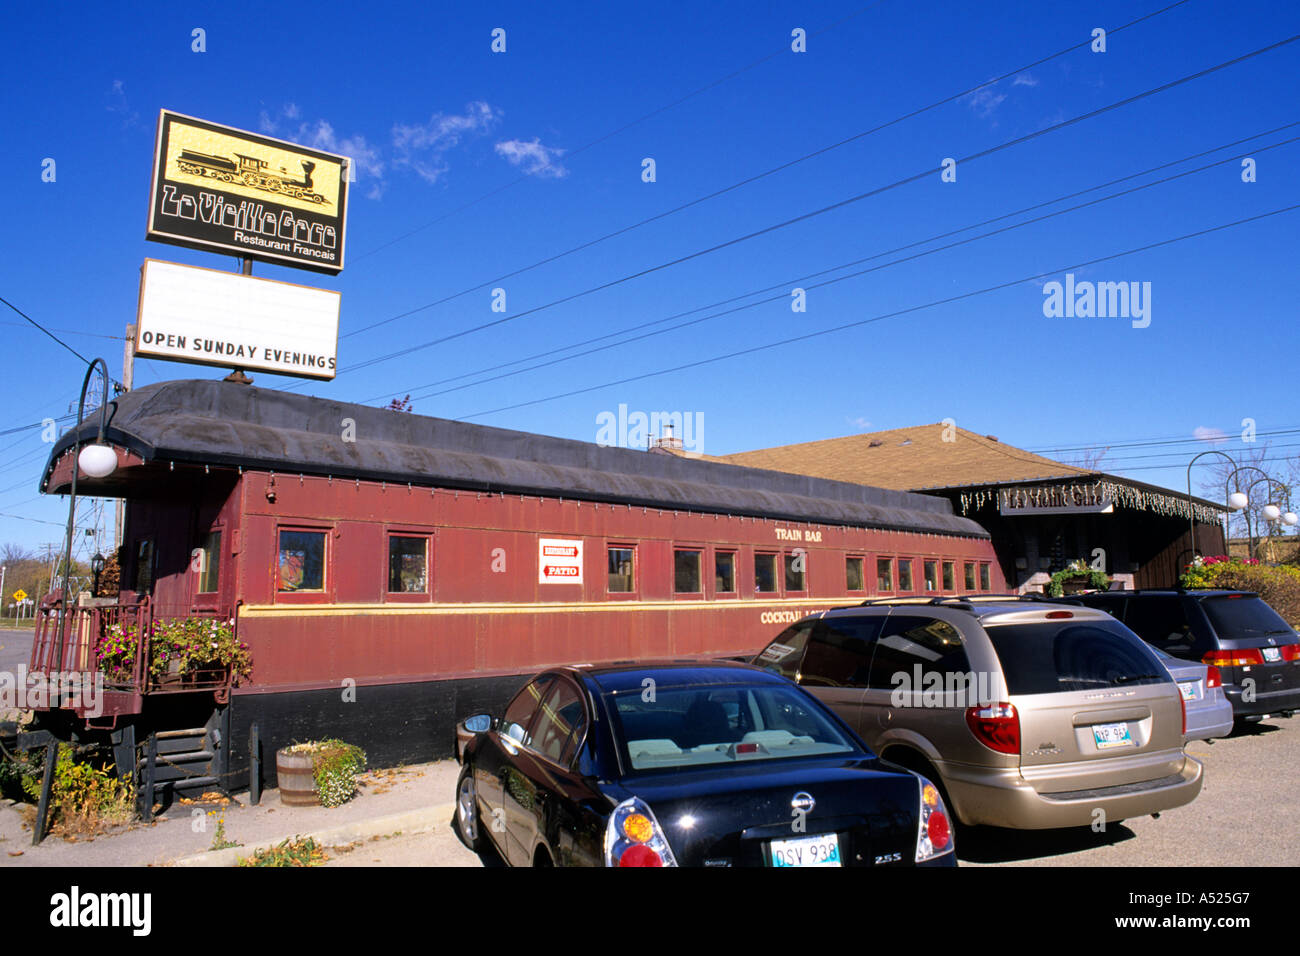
(633, 837)
(1214, 678)
(933, 829)
(996, 726)
(1291, 652)
(1240, 658)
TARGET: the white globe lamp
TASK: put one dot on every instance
(97, 461)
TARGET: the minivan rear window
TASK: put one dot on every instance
(1236, 616)
(1051, 658)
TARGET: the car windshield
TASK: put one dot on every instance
(682, 727)
(1240, 615)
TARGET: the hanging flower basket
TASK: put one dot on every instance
(1075, 578)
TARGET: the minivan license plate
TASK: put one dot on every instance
(822, 850)
(1111, 735)
(1191, 689)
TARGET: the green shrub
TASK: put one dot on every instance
(1279, 586)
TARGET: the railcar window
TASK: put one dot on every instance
(620, 570)
(686, 572)
(932, 575)
(949, 576)
(302, 561)
(724, 567)
(986, 583)
(796, 563)
(408, 565)
(884, 574)
(904, 574)
(210, 566)
(970, 576)
(765, 572)
(855, 574)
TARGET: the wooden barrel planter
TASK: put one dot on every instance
(296, 778)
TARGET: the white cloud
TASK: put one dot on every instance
(1024, 79)
(860, 423)
(117, 103)
(423, 147)
(533, 158)
(984, 101)
(368, 160)
(1211, 435)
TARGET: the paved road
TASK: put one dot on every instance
(1238, 820)
(15, 648)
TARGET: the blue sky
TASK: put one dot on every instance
(474, 164)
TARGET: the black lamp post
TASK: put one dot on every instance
(98, 461)
(1229, 500)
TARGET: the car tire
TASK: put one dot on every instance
(467, 815)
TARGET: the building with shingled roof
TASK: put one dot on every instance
(1043, 514)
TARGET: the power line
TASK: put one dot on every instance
(595, 142)
(57, 524)
(96, 335)
(888, 315)
(825, 209)
(801, 279)
(755, 178)
(1151, 442)
(44, 329)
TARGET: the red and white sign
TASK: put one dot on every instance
(559, 561)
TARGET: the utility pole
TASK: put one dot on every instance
(128, 378)
(3, 569)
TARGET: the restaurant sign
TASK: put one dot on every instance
(225, 190)
(1055, 500)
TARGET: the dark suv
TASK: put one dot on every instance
(1257, 653)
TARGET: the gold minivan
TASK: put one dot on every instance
(1026, 714)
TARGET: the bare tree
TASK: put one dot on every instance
(1264, 479)
(1089, 459)
(14, 554)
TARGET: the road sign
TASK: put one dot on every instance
(20, 595)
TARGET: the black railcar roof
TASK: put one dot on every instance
(215, 423)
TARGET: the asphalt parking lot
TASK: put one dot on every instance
(1241, 818)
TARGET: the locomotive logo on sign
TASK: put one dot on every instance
(226, 190)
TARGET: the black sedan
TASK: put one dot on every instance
(686, 764)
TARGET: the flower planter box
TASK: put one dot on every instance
(296, 779)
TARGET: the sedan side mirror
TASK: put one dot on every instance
(468, 728)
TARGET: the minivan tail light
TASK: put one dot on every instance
(1182, 705)
(996, 726)
(1213, 678)
(1238, 658)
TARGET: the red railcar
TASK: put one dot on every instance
(392, 573)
